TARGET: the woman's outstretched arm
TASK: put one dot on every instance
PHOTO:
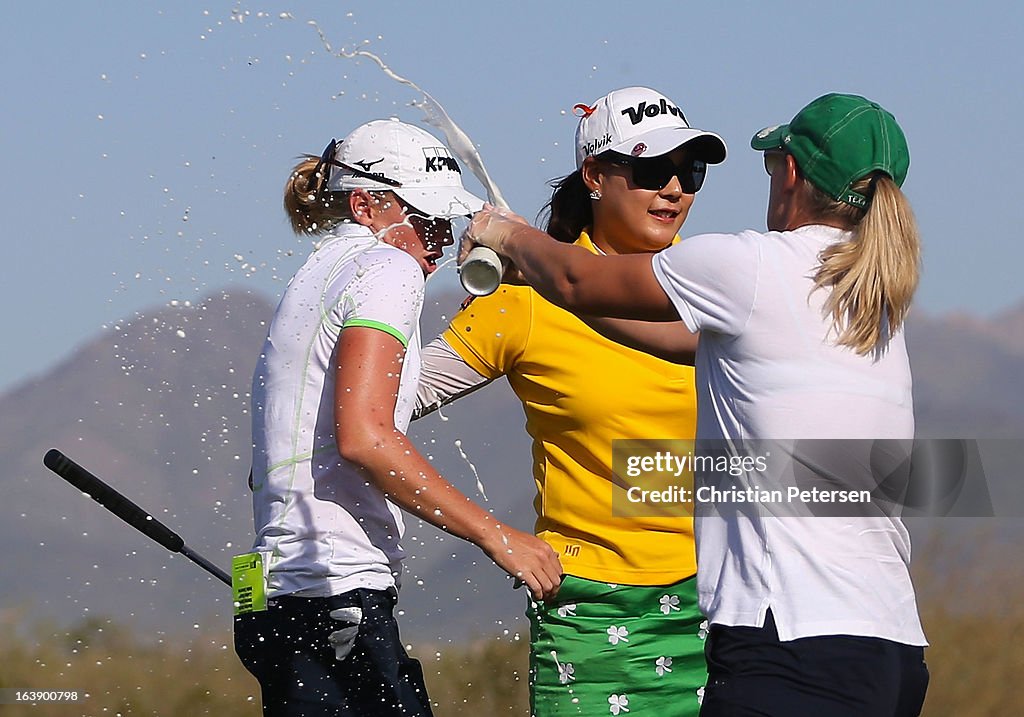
(621, 286)
(368, 366)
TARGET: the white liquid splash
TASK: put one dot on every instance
(435, 115)
(479, 484)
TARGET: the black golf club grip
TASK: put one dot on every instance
(112, 500)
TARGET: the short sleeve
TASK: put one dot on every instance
(385, 294)
(711, 280)
(491, 333)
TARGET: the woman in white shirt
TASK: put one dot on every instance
(800, 338)
(333, 393)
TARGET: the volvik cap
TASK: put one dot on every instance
(640, 122)
(409, 162)
(838, 139)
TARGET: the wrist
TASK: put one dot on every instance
(504, 238)
(493, 536)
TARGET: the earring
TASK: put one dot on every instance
(595, 195)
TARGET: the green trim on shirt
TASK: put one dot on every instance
(380, 326)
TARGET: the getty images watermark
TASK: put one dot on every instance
(790, 478)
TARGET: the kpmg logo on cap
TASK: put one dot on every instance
(594, 145)
(440, 160)
(637, 114)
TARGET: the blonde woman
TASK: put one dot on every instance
(800, 338)
(333, 392)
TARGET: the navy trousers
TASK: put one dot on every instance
(751, 673)
(286, 648)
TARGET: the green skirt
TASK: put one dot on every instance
(601, 649)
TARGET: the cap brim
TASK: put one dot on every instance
(708, 146)
(341, 182)
(769, 138)
(441, 201)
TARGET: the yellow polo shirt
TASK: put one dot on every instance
(579, 392)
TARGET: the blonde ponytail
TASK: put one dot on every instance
(310, 208)
(872, 277)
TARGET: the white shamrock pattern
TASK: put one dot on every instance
(663, 665)
(669, 603)
(617, 634)
(619, 703)
(567, 610)
(702, 633)
(566, 673)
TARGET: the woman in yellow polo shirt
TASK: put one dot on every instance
(624, 633)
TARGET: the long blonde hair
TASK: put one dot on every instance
(311, 209)
(872, 277)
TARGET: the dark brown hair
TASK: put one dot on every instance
(568, 211)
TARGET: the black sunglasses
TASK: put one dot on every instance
(773, 160)
(326, 160)
(655, 172)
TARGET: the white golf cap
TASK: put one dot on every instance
(640, 122)
(389, 155)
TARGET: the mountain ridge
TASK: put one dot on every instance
(157, 405)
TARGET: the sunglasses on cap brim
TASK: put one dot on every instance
(654, 173)
(326, 160)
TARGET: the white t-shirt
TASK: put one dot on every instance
(328, 530)
(768, 368)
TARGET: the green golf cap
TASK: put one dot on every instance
(838, 139)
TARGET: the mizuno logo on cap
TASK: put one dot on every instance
(366, 165)
(439, 160)
(642, 110)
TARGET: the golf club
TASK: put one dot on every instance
(126, 510)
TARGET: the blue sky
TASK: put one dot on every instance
(146, 143)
